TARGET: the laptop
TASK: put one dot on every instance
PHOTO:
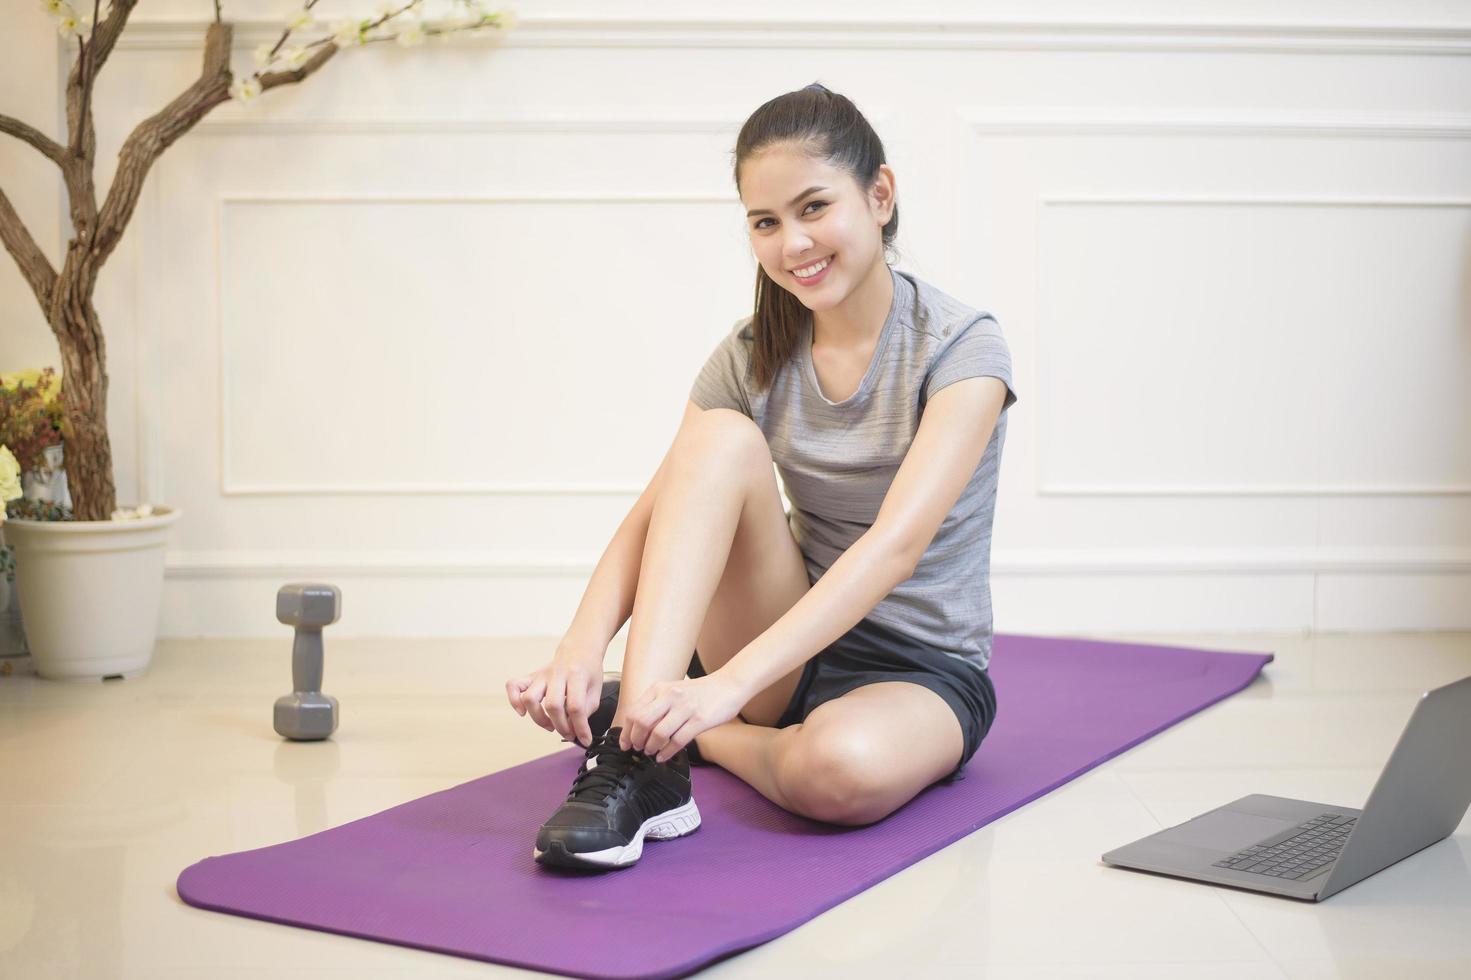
(1312, 850)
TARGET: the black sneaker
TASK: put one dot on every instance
(618, 798)
(600, 719)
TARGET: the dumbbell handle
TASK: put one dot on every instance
(306, 660)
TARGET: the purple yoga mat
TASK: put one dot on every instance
(453, 872)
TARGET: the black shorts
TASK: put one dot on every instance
(869, 653)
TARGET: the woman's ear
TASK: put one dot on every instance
(882, 195)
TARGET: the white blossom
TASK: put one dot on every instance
(68, 24)
(10, 485)
(346, 33)
(245, 89)
(302, 19)
(295, 55)
(411, 35)
(263, 55)
(504, 19)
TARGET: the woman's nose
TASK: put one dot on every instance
(796, 247)
(796, 252)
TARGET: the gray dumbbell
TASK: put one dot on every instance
(307, 713)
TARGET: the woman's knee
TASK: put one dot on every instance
(829, 775)
(725, 436)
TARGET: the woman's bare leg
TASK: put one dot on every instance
(688, 542)
(719, 561)
(689, 539)
(753, 753)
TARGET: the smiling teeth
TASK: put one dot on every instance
(812, 270)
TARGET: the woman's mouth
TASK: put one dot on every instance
(817, 272)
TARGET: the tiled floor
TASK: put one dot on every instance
(107, 791)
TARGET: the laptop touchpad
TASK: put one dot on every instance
(1224, 830)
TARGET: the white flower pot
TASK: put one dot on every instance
(90, 593)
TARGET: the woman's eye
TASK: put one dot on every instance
(763, 221)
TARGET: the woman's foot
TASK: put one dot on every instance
(619, 798)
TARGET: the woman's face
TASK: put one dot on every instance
(794, 227)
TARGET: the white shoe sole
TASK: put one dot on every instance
(664, 826)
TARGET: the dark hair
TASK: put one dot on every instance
(829, 127)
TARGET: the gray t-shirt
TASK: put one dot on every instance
(837, 459)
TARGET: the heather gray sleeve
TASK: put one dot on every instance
(721, 383)
(979, 350)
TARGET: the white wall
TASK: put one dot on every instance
(408, 327)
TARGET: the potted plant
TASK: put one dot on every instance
(112, 569)
(91, 576)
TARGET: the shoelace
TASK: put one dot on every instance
(597, 784)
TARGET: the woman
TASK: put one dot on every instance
(841, 649)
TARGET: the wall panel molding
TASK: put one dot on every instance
(230, 487)
(1256, 124)
(1007, 562)
(540, 123)
(1055, 488)
(1072, 122)
(917, 31)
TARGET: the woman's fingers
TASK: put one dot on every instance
(640, 721)
(531, 700)
(559, 697)
(514, 688)
(683, 735)
(661, 741)
(569, 694)
(553, 703)
(591, 687)
(631, 722)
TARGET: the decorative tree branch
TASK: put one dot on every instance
(53, 150)
(65, 297)
(158, 132)
(34, 266)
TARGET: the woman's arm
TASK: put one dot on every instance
(951, 441)
(867, 571)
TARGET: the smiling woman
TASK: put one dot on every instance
(840, 648)
(818, 253)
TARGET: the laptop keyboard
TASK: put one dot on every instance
(1316, 843)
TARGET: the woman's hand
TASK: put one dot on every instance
(560, 696)
(671, 714)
